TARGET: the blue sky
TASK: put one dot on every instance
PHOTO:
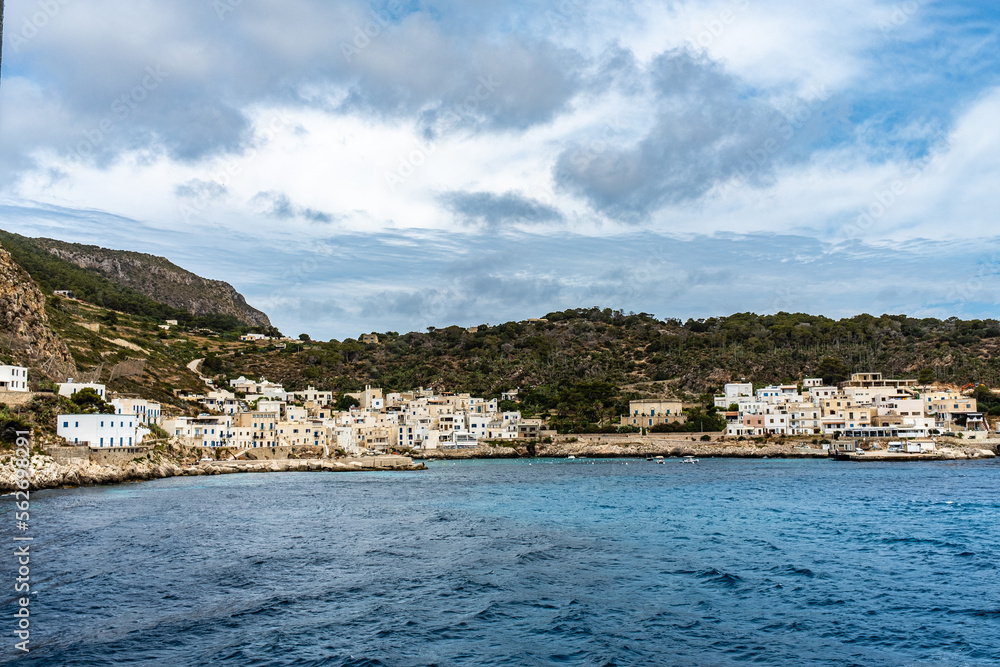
(353, 167)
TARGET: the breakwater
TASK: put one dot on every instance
(48, 473)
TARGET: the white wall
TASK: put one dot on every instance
(69, 388)
(101, 430)
(13, 378)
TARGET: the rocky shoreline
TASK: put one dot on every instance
(47, 473)
(640, 447)
(50, 474)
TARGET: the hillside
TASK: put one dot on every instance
(132, 282)
(581, 366)
(26, 336)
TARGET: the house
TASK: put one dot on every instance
(100, 431)
(145, 411)
(253, 337)
(255, 429)
(945, 406)
(648, 413)
(66, 293)
(509, 395)
(369, 339)
(732, 394)
(311, 394)
(69, 388)
(201, 431)
(876, 381)
(529, 428)
(300, 433)
(13, 378)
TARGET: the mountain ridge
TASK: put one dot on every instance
(134, 273)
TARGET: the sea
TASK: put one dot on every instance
(541, 562)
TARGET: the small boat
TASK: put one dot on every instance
(659, 459)
(689, 459)
(570, 458)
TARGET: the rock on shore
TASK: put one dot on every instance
(49, 474)
(597, 446)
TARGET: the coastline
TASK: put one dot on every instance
(671, 446)
(47, 473)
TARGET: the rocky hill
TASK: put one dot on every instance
(131, 274)
(25, 335)
(581, 366)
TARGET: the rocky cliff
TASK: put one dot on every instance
(25, 336)
(158, 279)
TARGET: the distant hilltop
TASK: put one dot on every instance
(133, 273)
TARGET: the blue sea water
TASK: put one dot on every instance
(587, 562)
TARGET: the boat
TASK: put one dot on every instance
(570, 458)
(659, 459)
(689, 459)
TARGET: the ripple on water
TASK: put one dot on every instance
(795, 562)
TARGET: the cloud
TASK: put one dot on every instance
(199, 189)
(278, 205)
(707, 128)
(495, 211)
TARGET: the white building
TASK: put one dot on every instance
(311, 394)
(13, 378)
(201, 431)
(146, 411)
(69, 388)
(732, 394)
(101, 430)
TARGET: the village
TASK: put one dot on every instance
(864, 407)
(252, 414)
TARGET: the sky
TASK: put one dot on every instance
(353, 167)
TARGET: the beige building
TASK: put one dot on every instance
(944, 406)
(254, 429)
(301, 433)
(651, 412)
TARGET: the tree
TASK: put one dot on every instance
(88, 401)
(212, 364)
(832, 370)
(346, 402)
(926, 376)
(304, 338)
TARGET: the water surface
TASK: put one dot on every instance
(581, 562)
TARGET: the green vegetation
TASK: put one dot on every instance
(88, 401)
(346, 402)
(580, 368)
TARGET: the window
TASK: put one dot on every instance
(65, 424)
